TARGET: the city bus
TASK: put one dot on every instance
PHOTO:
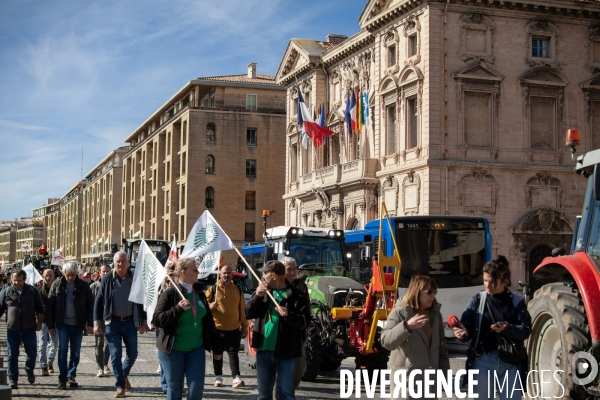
(450, 249)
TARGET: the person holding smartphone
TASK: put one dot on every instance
(494, 312)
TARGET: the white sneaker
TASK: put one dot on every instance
(106, 370)
(237, 382)
(158, 370)
(218, 381)
(100, 373)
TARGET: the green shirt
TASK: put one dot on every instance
(272, 322)
(189, 329)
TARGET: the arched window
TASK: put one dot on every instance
(211, 132)
(209, 197)
(210, 164)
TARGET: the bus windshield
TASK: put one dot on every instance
(317, 255)
(453, 253)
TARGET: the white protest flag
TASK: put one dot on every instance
(147, 278)
(57, 258)
(33, 276)
(173, 256)
(210, 263)
(206, 237)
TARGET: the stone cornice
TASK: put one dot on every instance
(350, 46)
(575, 8)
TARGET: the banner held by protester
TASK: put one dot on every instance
(33, 276)
(147, 278)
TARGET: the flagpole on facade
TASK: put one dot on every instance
(255, 275)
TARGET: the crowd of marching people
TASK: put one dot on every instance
(190, 320)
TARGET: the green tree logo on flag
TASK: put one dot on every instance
(149, 278)
(206, 236)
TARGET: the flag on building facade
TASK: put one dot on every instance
(147, 278)
(353, 110)
(209, 264)
(359, 111)
(33, 276)
(173, 256)
(366, 113)
(206, 237)
(322, 119)
(57, 258)
(25, 247)
(347, 116)
(313, 130)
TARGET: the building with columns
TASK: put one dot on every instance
(468, 105)
(214, 145)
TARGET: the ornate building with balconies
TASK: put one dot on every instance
(468, 103)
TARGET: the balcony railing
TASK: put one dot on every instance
(339, 173)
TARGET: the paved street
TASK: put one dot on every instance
(145, 380)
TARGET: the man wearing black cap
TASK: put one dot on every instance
(277, 331)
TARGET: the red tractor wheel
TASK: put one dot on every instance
(559, 330)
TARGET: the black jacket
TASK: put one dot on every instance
(21, 309)
(518, 328)
(44, 292)
(167, 313)
(291, 328)
(57, 303)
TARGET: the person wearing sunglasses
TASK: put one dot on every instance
(414, 332)
(186, 327)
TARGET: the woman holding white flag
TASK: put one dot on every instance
(186, 325)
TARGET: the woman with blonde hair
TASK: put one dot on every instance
(186, 327)
(414, 333)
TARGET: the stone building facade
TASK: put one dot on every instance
(468, 101)
(212, 146)
(70, 222)
(8, 243)
(32, 234)
(101, 209)
(49, 215)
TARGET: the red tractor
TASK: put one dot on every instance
(565, 340)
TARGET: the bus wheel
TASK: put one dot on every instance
(312, 350)
(559, 330)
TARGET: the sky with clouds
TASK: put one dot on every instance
(86, 74)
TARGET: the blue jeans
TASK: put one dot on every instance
(42, 337)
(178, 363)
(163, 378)
(69, 336)
(13, 340)
(115, 332)
(267, 367)
(506, 377)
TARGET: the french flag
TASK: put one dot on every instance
(313, 129)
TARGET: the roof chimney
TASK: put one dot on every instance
(335, 39)
(252, 70)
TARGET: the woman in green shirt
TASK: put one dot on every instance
(186, 328)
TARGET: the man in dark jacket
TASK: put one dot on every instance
(22, 303)
(102, 353)
(70, 311)
(277, 331)
(121, 318)
(46, 357)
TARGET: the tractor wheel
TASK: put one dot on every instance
(312, 350)
(376, 360)
(249, 351)
(559, 330)
(330, 364)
